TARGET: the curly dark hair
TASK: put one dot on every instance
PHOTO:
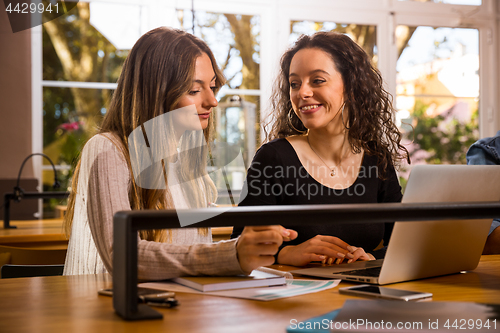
(370, 117)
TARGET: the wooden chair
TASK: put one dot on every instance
(17, 271)
(28, 262)
(33, 256)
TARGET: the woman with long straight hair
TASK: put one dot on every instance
(160, 110)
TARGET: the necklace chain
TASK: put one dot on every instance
(333, 171)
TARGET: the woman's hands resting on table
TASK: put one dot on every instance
(327, 249)
(257, 246)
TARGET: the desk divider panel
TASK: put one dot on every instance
(127, 224)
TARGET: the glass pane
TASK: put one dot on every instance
(54, 207)
(234, 40)
(70, 117)
(452, 2)
(363, 35)
(438, 92)
(236, 123)
(91, 44)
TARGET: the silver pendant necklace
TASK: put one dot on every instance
(333, 170)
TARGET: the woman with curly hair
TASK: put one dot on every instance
(332, 141)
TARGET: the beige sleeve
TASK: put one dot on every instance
(108, 193)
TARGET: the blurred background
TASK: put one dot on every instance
(439, 59)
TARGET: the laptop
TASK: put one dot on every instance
(424, 249)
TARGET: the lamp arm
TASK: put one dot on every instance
(18, 191)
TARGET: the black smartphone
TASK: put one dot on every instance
(383, 292)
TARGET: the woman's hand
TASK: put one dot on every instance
(318, 248)
(327, 249)
(257, 246)
(359, 254)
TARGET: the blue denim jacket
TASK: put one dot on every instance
(486, 152)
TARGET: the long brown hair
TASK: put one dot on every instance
(370, 125)
(157, 72)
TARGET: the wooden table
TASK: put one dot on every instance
(71, 304)
(221, 233)
(25, 242)
(49, 233)
(40, 234)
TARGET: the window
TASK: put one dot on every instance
(83, 54)
(432, 71)
(364, 35)
(419, 46)
(438, 93)
(235, 41)
(453, 2)
(82, 58)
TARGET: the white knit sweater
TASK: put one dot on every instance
(103, 186)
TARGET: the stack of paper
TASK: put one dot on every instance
(217, 284)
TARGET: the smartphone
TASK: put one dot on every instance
(383, 292)
(142, 292)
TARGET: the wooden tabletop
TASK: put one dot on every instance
(221, 233)
(50, 232)
(34, 233)
(71, 304)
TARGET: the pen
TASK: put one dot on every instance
(166, 302)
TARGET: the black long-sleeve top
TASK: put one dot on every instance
(277, 177)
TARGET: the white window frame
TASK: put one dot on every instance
(388, 14)
(275, 17)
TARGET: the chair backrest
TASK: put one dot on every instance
(34, 256)
(16, 271)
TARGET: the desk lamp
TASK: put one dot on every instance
(19, 193)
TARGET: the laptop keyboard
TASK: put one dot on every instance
(372, 272)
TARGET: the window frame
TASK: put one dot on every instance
(275, 18)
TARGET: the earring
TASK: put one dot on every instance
(291, 124)
(343, 122)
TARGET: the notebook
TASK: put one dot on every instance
(424, 249)
(257, 278)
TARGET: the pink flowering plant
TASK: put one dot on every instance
(69, 127)
(73, 136)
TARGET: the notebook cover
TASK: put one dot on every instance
(216, 283)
